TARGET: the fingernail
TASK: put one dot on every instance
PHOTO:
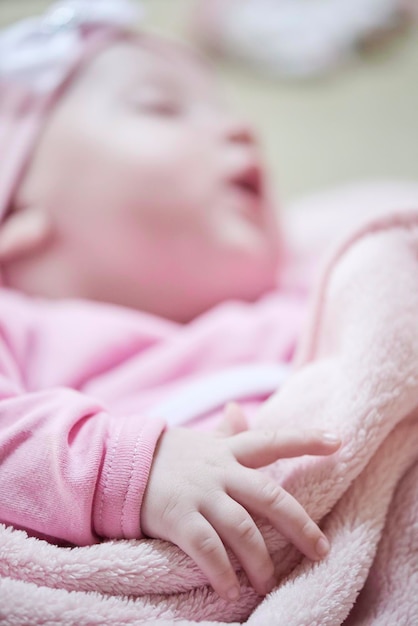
(322, 546)
(330, 438)
(233, 594)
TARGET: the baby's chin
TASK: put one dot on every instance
(246, 282)
(253, 276)
(263, 279)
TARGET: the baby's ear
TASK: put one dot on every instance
(24, 232)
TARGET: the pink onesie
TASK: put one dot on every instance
(86, 390)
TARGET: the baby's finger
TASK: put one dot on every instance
(238, 530)
(201, 542)
(233, 421)
(257, 448)
(262, 496)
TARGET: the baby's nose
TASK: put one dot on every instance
(239, 131)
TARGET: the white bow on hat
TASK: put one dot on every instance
(35, 50)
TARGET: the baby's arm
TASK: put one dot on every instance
(203, 491)
(69, 469)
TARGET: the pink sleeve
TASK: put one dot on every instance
(68, 469)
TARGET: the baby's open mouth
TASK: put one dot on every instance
(249, 181)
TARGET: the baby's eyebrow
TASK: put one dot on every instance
(150, 64)
(158, 79)
(188, 62)
(166, 80)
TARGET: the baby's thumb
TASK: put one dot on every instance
(233, 421)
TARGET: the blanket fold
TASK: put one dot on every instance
(356, 373)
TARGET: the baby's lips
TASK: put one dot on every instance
(250, 180)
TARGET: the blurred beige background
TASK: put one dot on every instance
(359, 124)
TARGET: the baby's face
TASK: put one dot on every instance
(158, 192)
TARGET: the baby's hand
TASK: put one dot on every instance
(203, 491)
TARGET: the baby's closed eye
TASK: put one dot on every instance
(157, 102)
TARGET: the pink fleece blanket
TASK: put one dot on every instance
(356, 373)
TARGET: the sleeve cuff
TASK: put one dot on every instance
(126, 465)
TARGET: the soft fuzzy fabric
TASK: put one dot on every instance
(356, 373)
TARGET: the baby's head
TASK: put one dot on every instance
(141, 189)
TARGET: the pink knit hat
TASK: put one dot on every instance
(38, 59)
